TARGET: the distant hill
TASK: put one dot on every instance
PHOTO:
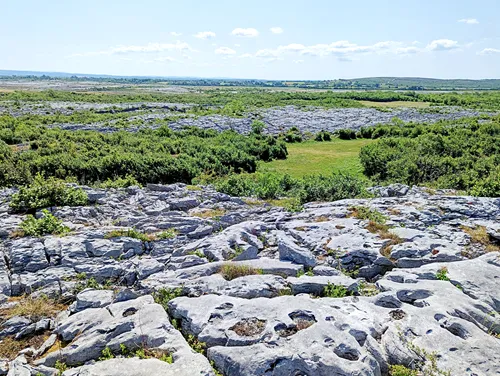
(368, 83)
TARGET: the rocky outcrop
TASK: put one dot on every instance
(255, 289)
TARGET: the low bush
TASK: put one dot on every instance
(125, 182)
(346, 134)
(43, 193)
(335, 291)
(45, 225)
(270, 186)
(323, 136)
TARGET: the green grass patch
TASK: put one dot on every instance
(396, 104)
(312, 157)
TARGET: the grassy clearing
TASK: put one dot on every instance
(396, 104)
(312, 157)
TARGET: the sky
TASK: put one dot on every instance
(272, 39)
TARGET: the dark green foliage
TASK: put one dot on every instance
(163, 296)
(261, 185)
(463, 155)
(346, 134)
(149, 156)
(292, 135)
(125, 182)
(323, 136)
(258, 126)
(43, 193)
(310, 188)
(47, 224)
(337, 186)
(335, 291)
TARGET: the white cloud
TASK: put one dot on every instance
(205, 35)
(340, 48)
(407, 50)
(489, 51)
(298, 61)
(469, 21)
(442, 45)
(175, 34)
(237, 45)
(245, 56)
(151, 47)
(225, 51)
(165, 59)
(248, 33)
(276, 30)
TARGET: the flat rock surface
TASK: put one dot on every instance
(257, 290)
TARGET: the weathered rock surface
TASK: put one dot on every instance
(262, 288)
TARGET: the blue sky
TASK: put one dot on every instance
(272, 39)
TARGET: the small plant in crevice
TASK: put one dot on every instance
(196, 345)
(400, 370)
(363, 212)
(106, 354)
(60, 367)
(129, 233)
(164, 295)
(238, 250)
(48, 224)
(442, 274)
(336, 291)
(167, 234)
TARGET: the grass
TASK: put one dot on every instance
(312, 157)
(479, 235)
(230, 271)
(33, 308)
(9, 347)
(396, 104)
(209, 213)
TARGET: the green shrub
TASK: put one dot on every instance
(363, 212)
(47, 224)
(125, 182)
(399, 370)
(258, 126)
(337, 186)
(346, 134)
(335, 291)
(43, 193)
(323, 136)
(442, 274)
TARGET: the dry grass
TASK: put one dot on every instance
(249, 327)
(322, 218)
(231, 271)
(9, 347)
(34, 309)
(394, 211)
(383, 231)
(480, 236)
(209, 213)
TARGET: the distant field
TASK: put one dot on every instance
(396, 104)
(313, 157)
